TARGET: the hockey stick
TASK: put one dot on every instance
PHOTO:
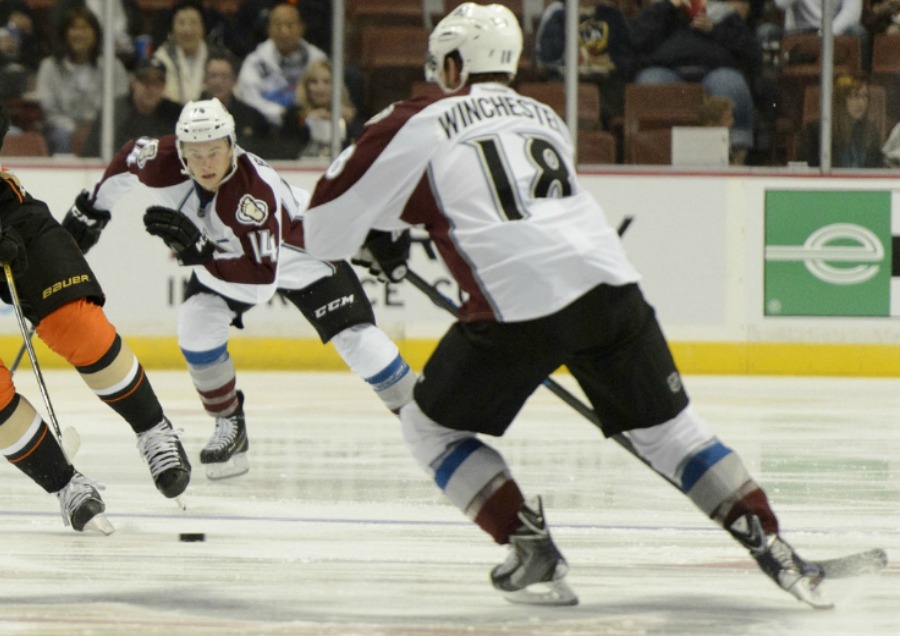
(69, 438)
(15, 364)
(583, 409)
(857, 564)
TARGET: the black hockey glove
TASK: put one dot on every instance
(190, 244)
(12, 251)
(385, 255)
(85, 222)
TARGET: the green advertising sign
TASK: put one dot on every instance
(827, 253)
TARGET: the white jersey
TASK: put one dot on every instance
(490, 175)
(254, 218)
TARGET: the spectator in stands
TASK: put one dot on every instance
(185, 52)
(855, 140)
(15, 77)
(217, 26)
(18, 18)
(127, 21)
(606, 55)
(718, 111)
(805, 16)
(251, 23)
(308, 121)
(269, 76)
(69, 82)
(685, 41)
(882, 16)
(144, 112)
(251, 127)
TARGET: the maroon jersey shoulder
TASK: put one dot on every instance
(380, 130)
(155, 162)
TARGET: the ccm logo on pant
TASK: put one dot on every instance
(337, 303)
(73, 280)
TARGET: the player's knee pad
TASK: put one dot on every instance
(334, 303)
(426, 439)
(78, 331)
(467, 470)
(374, 357)
(667, 445)
(203, 323)
(685, 451)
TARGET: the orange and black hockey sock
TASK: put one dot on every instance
(80, 333)
(28, 444)
(119, 380)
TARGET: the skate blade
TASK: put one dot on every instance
(180, 501)
(237, 465)
(100, 524)
(807, 590)
(549, 593)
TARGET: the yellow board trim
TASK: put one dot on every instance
(693, 358)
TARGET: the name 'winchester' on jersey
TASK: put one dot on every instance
(495, 187)
(473, 110)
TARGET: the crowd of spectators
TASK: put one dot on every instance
(731, 47)
(268, 61)
(254, 61)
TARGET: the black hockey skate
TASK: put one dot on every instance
(534, 571)
(169, 465)
(81, 505)
(781, 563)
(225, 454)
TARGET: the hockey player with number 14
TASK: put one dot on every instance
(490, 175)
(227, 213)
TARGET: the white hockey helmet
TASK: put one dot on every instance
(204, 120)
(488, 38)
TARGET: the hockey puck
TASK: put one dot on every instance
(192, 537)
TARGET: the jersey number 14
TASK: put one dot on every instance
(264, 246)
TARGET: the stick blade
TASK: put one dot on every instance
(858, 564)
(70, 441)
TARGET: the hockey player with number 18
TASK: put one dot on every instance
(227, 213)
(490, 175)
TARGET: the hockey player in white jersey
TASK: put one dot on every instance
(230, 216)
(490, 175)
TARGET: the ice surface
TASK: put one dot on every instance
(336, 531)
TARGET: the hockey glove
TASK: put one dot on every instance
(85, 222)
(190, 244)
(385, 254)
(12, 251)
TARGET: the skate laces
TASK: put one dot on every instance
(75, 493)
(527, 542)
(225, 433)
(533, 526)
(159, 447)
